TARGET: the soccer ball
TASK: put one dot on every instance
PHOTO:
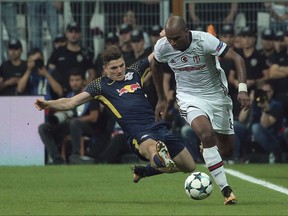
(198, 186)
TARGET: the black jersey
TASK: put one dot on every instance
(126, 99)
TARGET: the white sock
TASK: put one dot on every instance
(215, 164)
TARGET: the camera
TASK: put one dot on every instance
(64, 115)
(260, 96)
(60, 117)
(39, 63)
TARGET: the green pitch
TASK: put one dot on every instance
(109, 190)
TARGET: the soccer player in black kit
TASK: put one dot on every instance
(122, 92)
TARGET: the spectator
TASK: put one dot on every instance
(12, 69)
(60, 41)
(111, 39)
(82, 121)
(130, 19)
(37, 12)
(266, 131)
(71, 56)
(154, 34)
(279, 42)
(125, 37)
(206, 14)
(8, 16)
(278, 15)
(116, 148)
(227, 35)
(278, 72)
(267, 44)
(254, 61)
(37, 79)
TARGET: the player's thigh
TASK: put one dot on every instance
(203, 129)
(184, 161)
(148, 148)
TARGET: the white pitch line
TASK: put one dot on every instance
(257, 181)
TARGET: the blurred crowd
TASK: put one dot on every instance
(89, 134)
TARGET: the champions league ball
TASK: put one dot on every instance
(198, 186)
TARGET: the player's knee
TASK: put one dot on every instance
(208, 138)
(188, 168)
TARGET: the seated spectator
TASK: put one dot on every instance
(12, 69)
(37, 79)
(80, 122)
(116, 148)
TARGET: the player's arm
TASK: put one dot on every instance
(157, 74)
(63, 104)
(243, 96)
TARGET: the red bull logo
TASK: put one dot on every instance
(129, 88)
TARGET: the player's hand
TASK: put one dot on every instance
(244, 100)
(40, 104)
(160, 109)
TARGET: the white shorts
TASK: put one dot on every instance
(219, 114)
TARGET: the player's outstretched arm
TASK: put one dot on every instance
(62, 104)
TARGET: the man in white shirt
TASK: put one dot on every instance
(201, 91)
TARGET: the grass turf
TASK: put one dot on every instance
(108, 190)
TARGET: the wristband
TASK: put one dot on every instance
(242, 87)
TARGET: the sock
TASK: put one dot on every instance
(157, 161)
(215, 164)
(150, 171)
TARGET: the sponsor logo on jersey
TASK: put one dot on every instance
(184, 59)
(128, 76)
(191, 68)
(129, 88)
(196, 59)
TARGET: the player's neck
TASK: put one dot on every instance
(190, 41)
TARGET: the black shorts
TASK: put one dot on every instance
(158, 133)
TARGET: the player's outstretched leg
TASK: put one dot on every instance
(140, 172)
(163, 155)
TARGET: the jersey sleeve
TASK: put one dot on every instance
(142, 67)
(213, 45)
(158, 51)
(94, 87)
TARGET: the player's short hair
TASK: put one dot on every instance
(111, 53)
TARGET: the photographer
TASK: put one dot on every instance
(266, 132)
(37, 79)
(261, 123)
